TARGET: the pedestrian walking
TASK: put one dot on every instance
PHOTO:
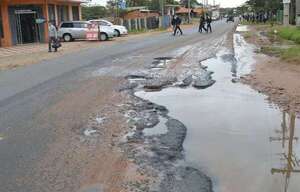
(208, 27)
(53, 37)
(173, 22)
(177, 25)
(202, 24)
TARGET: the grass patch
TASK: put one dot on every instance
(135, 31)
(289, 33)
(247, 34)
(291, 54)
(272, 51)
(145, 30)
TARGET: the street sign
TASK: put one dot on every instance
(40, 21)
(286, 1)
(92, 33)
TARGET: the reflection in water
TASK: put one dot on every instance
(291, 162)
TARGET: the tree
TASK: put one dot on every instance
(193, 3)
(266, 5)
(93, 12)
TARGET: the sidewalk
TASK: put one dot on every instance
(21, 49)
(21, 55)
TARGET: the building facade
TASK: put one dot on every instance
(19, 19)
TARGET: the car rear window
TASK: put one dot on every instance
(67, 25)
(80, 25)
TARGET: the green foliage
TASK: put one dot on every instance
(259, 5)
(289, 33)
(151, 4)
(291, 54)
(93, 12)
(192, 2)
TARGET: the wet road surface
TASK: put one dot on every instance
(27, 94)
(234, 135)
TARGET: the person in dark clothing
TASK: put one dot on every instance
(208, 27)
(202, 24)
(173, 22)
(177, 25)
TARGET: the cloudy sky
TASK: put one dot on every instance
(224, 3)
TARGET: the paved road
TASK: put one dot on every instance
(26, 92)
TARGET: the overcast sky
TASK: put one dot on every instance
(224, 3)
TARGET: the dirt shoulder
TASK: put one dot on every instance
(274, 76)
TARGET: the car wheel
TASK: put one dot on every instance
(67, 37)
(117, 33)
(103, 37)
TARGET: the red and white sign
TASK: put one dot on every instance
(92, 33)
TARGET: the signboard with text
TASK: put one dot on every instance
(92, 33)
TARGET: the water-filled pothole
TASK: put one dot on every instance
(230, 126)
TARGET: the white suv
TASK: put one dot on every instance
(71, 30)
(118, 29)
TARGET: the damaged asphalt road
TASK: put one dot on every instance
(44, 109)
(160, 153)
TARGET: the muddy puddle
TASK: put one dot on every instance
(241, 141)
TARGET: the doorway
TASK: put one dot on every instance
(27, 29)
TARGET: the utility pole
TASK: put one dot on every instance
(189, 7)
(286, 12)
(162, 7)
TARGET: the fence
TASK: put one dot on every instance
(144, 23)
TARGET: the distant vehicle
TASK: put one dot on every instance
(214, 18)
(118, 29)
(215, 15)
(71, 30)
(230, 18)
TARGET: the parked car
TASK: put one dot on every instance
(118, 29)
(71, 30)
(230, 18)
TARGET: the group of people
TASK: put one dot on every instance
(257, 18)
(204, 24)
(205, 21)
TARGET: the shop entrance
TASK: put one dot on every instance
(27, 29)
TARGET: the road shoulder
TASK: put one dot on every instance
(272, 75)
